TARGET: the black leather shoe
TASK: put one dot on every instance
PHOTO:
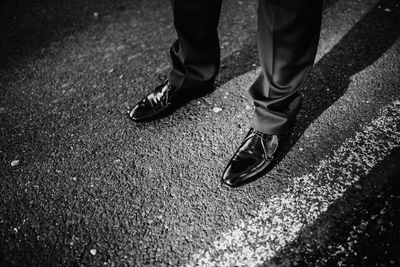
(165, 99)
(251, 159)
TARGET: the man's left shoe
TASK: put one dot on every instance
(165, 99)
(251, 159)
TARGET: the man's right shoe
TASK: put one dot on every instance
(165, 99)
(251, 159)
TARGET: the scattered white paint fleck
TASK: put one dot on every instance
(64, 85)
(252, 242)
(93, 251)
(388, 10)
(217, 109)
(14, 163)
(133, 56)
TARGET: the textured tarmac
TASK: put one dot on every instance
(82, 185)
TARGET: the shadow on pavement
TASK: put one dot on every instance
(29, 26)
(361, 229)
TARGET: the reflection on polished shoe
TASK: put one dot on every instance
(251, 159)
(165, 99)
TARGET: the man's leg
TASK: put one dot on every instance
(195, 58)
(195, 55)
(288, 33)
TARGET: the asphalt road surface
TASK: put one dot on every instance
(81, 185)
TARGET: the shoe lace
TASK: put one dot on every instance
(162, 92)
(263, 136)
(265, 139)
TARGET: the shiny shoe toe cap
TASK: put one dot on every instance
(136, 113)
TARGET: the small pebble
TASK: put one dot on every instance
(217, 109)
(65, 85)
(93, 251)
(14, 163)
(388, 10)
(96, 15)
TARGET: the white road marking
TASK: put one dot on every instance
(278, 223)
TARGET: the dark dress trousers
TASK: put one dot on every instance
(287, 37)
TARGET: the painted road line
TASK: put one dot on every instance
(279, 221)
